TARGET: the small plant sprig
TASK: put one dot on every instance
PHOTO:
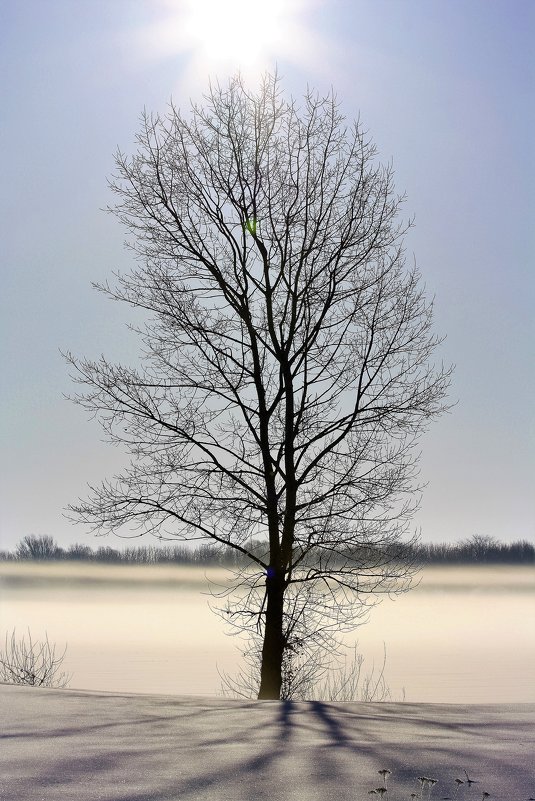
(384, 773)
(426, 782)
(426, 785)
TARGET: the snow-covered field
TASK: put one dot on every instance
(69, 745)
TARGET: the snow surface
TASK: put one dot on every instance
(69, 745)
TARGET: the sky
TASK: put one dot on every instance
(445, 89)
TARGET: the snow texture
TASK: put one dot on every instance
(69, 745)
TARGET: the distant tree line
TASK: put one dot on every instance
(478, 549)
(45, 548)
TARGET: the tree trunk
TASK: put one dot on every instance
(273, 646)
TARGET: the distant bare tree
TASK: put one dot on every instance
(37, 547)
(79, 552)
(478, 547)
(287, 361)
(25, 661)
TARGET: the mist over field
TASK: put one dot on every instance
(464, 635)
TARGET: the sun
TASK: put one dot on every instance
(236, 30)
(216, 35)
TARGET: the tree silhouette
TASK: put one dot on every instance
(286, 373)
(38, 547)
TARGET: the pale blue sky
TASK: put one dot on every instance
(446, 89)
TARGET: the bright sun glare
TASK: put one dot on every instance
(235, 28)
(232, 34)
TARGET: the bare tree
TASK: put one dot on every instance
(34, 547)
(27, 661)
(286, 372)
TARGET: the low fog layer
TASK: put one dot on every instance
(139, 628)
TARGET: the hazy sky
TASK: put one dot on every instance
(445, 88)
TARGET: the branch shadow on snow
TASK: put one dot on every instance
(162, 749)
